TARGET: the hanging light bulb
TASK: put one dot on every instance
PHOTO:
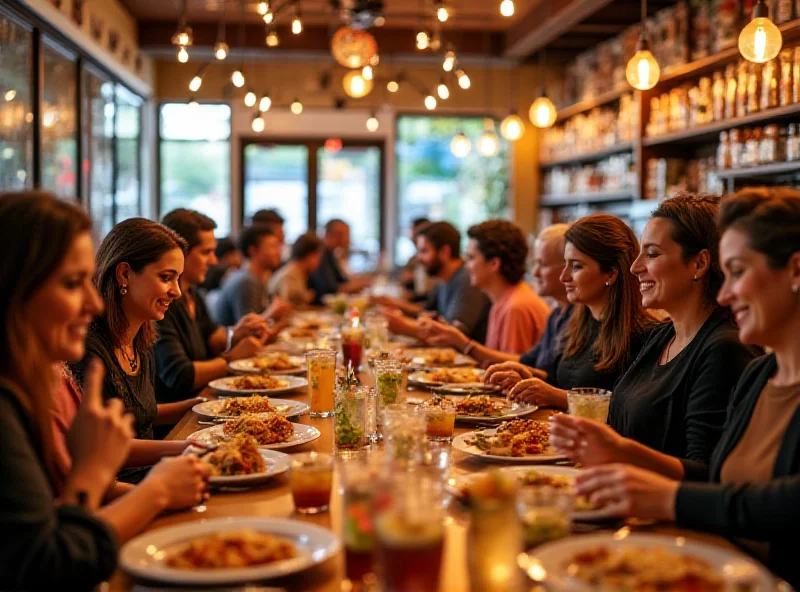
(269, 17)
(460, 145)
(196, 82)
(237, 78)
(507, 8)
(392, 86)
(183, 36)
(297, 107)
(250, 98)
(264, 104)
(488, 143)
(372, 123)
(512, 127)
(272, 39)
(642, 71)
(367, 72)
(297, 24)
(258, 123)
(760, 41)
(355, 85)
(221, 50)
(263, 8)
(449, 60)
(542, 112)
(430, 102)
(442, 90)
(422, 40)
(435, 43)
(442, 13)
(463, 79)
(183, 55)
(9, 96)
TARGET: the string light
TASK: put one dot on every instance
(367, 72)
(355, 85)
(183, 55)
(263, 8)
(443, 91)
(460, 145)
(642, 70)
(250, 98)
(463, 80)
(488, 144)
(392, 86)
(9, 96)
(221, 50)
(442, 14)
(507, 8)
(269, 17)
(272, 39)
(760, 41)
(264, 104)
(449, 60)
(422, 40)
(196, 82)
(512, 127)
(430, 102)
(297, 24)
(372, 123)
(374, 60)
(297, 107)
(237, 78)
(258, 124)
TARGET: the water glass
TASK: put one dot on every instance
(389, 381)
(589, 403)
(377, 331)
(404, 433)
(350, 418)
(436, 458)
(311, 478)
(372, 434)
(321, 381)
(359, 480)
(545, 513)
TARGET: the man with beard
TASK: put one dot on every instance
(454, 300)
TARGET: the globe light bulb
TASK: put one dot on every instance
(250, 98)
(195, 84)
(488, 144)
(392, 86)
(512, 127)
(268, 18)
(463, 79)
(642, 71)
(449, 61)
(367, 72)
(375, 60)
(237, 78)
(422, 40)
(297, 25)
(297, 107)
(264, 104)
(9, 96)
(258, 124)
(507, 8)
(760, 41)
(430, 102)
(221, 50)
(460, 146)
(443, 91)
(183, 55)
(372, 123)
(272, 39)
(355, 85)
(263, 8)
(442, 14)
(542, 112)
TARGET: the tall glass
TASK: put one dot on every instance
(389, 382)
(377, 331)
(350, 421)
(321, 380)
(372, 415)
(359, 479)
(353, 346)
(409, 532)
(403, 433)
(590, 403)
(311, 478)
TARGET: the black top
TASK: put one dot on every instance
(137, 392)
(43, 546)
(758, 511)
(459, 300)
(679, 407)
(327, 278)
(545, 352)
(181, 341)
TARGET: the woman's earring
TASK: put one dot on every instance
(123, 290)
(608, 283)
(695, 278)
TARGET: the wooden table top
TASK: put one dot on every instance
(274, 500)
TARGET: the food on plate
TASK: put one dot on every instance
(246, 383)
(266, 429)
(455, 375)
(430, 356)
(535, 478)
(233, 549)
(481, 405)
(518, 437)
(236, 406)
(301, 332)
(238, 456)
(273, 361)
(383, 355)
(640, 569)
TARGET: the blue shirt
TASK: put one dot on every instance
(546, 351)
(459, 300)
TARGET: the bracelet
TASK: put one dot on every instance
(468, 347)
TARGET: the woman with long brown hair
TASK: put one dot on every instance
(608, 325)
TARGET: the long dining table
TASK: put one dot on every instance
(273, 499)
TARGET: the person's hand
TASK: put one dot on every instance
(624, 490)
(538, 392)
(246, 348)
(183, 479)
(383, 300)
(100, 436)
(278, 309)
(507, 374)
(437, 333)
(586, 442)
(398, 322)
(250, 325)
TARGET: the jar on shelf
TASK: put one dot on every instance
(718, 92)
(752, 145)
(785, 90)
(792, 152)
(737, 148)
(724, 152)
(754, 88)
(742, 77)
(769, 85)
(768, 152)
(730, 91)
(704, 101)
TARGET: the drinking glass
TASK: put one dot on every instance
(389, 381)
(321, 380)
(377, 331)
(310, 478)
(436, 458)
(350, 420)
(372, 415)
(359, 479)
(440, 414)
(545, 513)
(590, 403)
(352, 346)
(404, 433)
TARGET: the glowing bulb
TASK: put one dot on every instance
(380, 21)
(372, 123)
(642, 71)
(250, 98)
(297, 107)
(449, 61)
(263, 8)
(183, 55)
(355, 85)
(430, 102)
(422, 40)
(542, 112)
(463, 79)
(268, 18)
(512, 127)
(9, 96)
(760, 41)
(272, 39)
(392, 86)
(488, 144)
(443, 91)
(375, 60)
(182, 37)
(442, 14)
(367, 72)
(237, 78)
(194, 85)
(507, 8)
(264, 104)
(221, 50)
(460, 146)
(297, 25)
(258, 124)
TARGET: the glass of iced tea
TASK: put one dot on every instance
(440, 413)
(353, 346)
(321, 381)
(589, 403)
(311, 478)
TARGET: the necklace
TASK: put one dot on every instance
(132, 362)
(669, 345)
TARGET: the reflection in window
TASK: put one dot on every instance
(276, 176)
(435, 184)
(16, 117)
(100, 126)
(59, 139)
(195, 160)
(128, 129)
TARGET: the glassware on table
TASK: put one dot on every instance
(372, 434)
(359, 481)
(545, 513)
(352, 346)
(589, 403)
(436, 458)
(350, 418)
(409, 533)
(321, 381)
(389, 382)
(440, 413)
(403, 433)
(377, 331)
(311, 478)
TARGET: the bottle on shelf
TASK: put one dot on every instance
(785, 92)
(723, 152)
(730, 91)
(718, 92)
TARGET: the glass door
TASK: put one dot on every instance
(59, 122)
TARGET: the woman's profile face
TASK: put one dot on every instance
(583, 279)
(152, 291)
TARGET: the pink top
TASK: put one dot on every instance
(517, 321)
(68, 399)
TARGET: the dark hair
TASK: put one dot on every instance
(331, 223)
(224, 246)
(443, 234)
(694, 228)
(267, 217)
(36, 232)
(305, 245)
(770, 217)
(137, 242)
(610, 242)
(251, 237)
(189, 224)
(504, 240)
(416, 222)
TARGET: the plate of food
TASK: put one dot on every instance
(514, 441)
(264, 384)
(228, 550)
(452, 380)
(271, 362)
(270, 430)
(427, 357)
(240, 462)
(612, 562)
(231, 407)
(485, 407)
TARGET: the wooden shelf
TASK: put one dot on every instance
(710, 132)
(573, 199)
(766, 170)
(588, 156)
(589, 104)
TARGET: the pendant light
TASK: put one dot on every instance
(250, 98)
(265, 103)
(542, 112)
(258, 123)
(442, 90)
(512, 127)
(643, 71)
(460, 146)
(221, 48)
(760, 41)
(488, 144)
(507, 8)
(372, 122)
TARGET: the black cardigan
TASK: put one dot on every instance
(758, 511)
(43, 546)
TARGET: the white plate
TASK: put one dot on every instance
(459, 443)
(517, 410)
(731, 565)
(422, 378)
(247, 366)
(276, 463)
(285, 407)
(302, 435)
(144, 555)
(223, 385)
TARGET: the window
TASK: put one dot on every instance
(16, 106)
(59, 133)
(196, 161)
(99, 137)
(434, 183)
(128, 131)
